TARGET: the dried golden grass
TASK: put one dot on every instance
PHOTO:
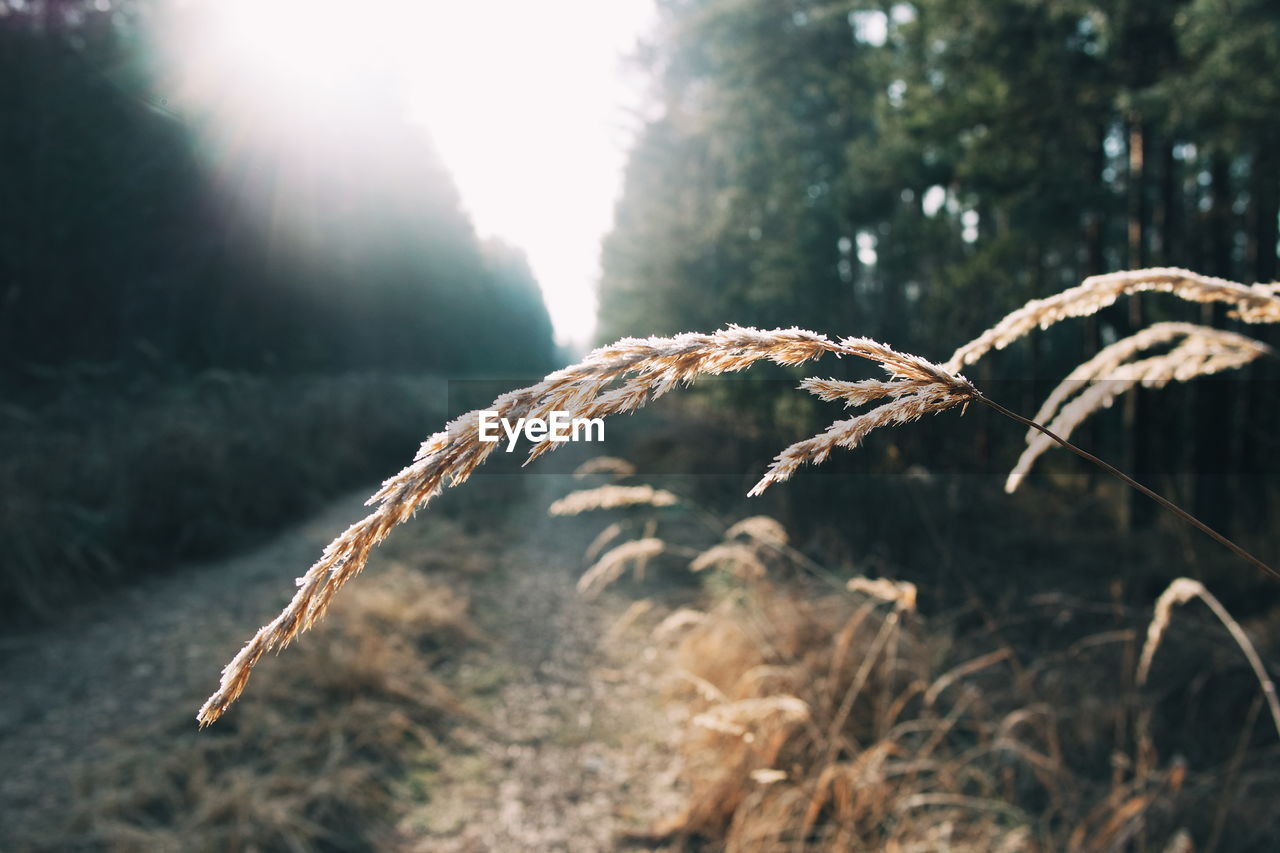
(901, 593)
(626, 375)
(1182, 591)
(611, 380)
(734, 557)
(603, 538)
(837, 724)
(1251, 304)
(294, 770)
(611, 565)
(611, 497)
(922, 398)
(759, 528)
(607, 465)
(675, 622)
(1200, 351)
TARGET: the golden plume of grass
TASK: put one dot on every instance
(611, 497)
(611, 465)
(734, 557)
(746, 717)
(1182, 591)
(759, 528)
(615, 561)
(901, 593)
(1201, 351)
(603, 538)
(932, 399)
(624, 623)
(1111, 357)
(611, 380)
(1252, 304)
(767, 775)
(677, 621)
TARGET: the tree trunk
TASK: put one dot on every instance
(1138, 511)
(1260, 400)
(1213, 496)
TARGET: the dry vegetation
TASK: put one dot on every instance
(624, 376)
(823, 716)
(316, 761)
(837, 720)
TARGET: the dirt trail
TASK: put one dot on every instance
(132, 657)
(575, 754)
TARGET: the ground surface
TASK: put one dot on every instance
(571, 751)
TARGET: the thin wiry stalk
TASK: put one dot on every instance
(1134, 484)
(1181, 591)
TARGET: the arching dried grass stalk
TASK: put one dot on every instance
(1181, 591)
(1202, 351)
(611, 497)
(759, 528)
(745, 717)
(932, 399)
(611, 380)
(610, 465)
(734, 557)
(642, 369)
(603, 538)
(1111, 357)
(678, 621)
(626, 375)
(615, 561)
(1253, 304)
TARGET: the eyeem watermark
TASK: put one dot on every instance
(559, 427)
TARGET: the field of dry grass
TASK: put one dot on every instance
(821, 712)
(725, 692)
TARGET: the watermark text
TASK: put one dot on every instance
(561, 426)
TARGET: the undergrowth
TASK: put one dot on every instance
(836, 713)
(105, 482)
(838, 722)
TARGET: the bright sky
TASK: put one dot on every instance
(531, 105)
(533, 112)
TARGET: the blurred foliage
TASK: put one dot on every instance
(105, 481)
(179, 373)
(913, 171)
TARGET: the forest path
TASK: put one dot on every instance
(577, 754)
(130, 657)
(572, 752)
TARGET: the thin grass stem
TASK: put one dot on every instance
(1132, 483)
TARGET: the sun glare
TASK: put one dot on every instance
(526, 104)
